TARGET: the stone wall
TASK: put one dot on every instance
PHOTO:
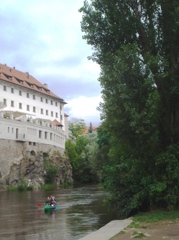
(19, 159)
(13, 151)
(10, 152)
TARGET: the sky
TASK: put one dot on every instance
(44, 38)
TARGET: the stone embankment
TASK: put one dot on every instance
(109, 230)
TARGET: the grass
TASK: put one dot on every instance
(142, 220)
(156, 216)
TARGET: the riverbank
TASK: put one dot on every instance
(155, 225)
(120, 230)
(163, 230)
(108, 231)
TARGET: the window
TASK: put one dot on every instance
(46, 112)
(60, 107)
(51, 102)
(41, 99)
(12, 90)
(4, 88)
(40, 134)
(20, 93)
(56, 104)
(20, 105)
(46, 100)
(61, 117)
(51, 114)
(34, 97)
(12, 103)
(27, 95)
(56, 115)
(34, 109)
(19, 81)
(4, 101)
(42, 111)
(28, 108)
(46, 135)
(50, 136)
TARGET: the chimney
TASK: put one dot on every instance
(27, 74)
(46, 85)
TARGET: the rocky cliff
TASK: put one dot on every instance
(34, 168)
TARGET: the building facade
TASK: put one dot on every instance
(30, 113)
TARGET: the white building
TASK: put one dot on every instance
(30, 113)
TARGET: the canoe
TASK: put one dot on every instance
(48, 208)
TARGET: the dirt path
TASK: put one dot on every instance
(159, 231)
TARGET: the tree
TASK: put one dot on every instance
(76, 127)
(90, 130)
(70, 150)
(135, 43)
(89, 163)
(153, 27)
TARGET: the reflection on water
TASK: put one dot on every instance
(81, 212)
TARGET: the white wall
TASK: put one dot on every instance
(37, 103)
(31, 131)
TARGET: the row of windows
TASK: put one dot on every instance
(28, 108)
(47, 135)
(34, 97)
(50, 136)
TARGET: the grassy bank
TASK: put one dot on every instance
(144, 220)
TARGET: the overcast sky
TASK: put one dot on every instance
(44, 38)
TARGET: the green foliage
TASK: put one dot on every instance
(154, 216)
(164, 190)
(22, 186)
(70, 150)
(88, 159)
(76, 128)
(51, 171)
(83, 157)
(140, 88)
(48, 187)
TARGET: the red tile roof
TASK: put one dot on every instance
(57, 122)
(26, 80)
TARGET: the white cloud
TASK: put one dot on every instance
(44, 38)
(84, 108)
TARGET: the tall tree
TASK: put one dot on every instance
(90, 129)
(135, 43)
(154, 27)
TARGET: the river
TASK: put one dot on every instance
(81, 212)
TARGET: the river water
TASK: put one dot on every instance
(81, 212)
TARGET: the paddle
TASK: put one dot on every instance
(57, 208)
(39, 204)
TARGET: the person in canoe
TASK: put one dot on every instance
(48, 201)
(52, 201)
